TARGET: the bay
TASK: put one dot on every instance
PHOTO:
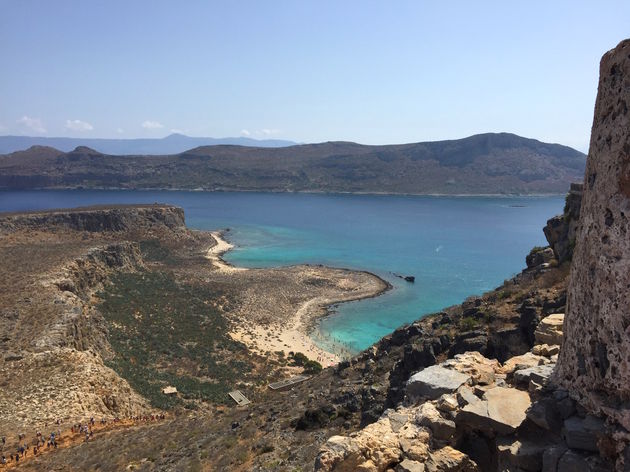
(454, 246)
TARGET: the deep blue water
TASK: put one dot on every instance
(454, 246)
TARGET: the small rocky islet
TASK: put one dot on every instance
(530, 376)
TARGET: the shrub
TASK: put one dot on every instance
(312, 367)
(468, 323)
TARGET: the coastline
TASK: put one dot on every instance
(291, 335)
(215, 252)
(307, 192)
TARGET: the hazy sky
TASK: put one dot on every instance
(366, 71)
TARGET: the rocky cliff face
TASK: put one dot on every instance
(560, 230)
(95, 219)
(51, 331)
(595, 358)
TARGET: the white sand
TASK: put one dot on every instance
(215, 252)
(290, 336)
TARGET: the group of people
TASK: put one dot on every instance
(43, 442)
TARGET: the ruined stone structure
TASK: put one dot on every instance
(594, 362)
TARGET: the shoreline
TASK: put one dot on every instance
(306, 192)
(215, 252)
(293, 334)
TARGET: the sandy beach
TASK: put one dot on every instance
(215, 252)
(289, 334)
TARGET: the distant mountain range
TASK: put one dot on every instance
(493, 163)
(171, 144)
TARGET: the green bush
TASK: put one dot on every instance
(468, 323)
(312, 367)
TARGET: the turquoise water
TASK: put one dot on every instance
(454, 246)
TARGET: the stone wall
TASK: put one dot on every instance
(594, 362)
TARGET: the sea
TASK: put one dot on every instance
(455, 247)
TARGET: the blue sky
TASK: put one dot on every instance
(367, 71)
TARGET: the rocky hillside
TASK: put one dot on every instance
(279, 430)
(564, 405)
(483, 164)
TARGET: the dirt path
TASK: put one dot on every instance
(70, 439)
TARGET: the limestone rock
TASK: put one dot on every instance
(448, 459)
(501, 410)
(522, 362)
(429, 416)
(539, 374)
(410, 466)
(447, 402)
(434, 381)
(594, 361)
(549, 330)
(375, 448)
(546, 350)
(481, 369)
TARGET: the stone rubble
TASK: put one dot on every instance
(453, 408)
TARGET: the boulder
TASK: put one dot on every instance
(546, 350)
(374, 448)
(481, 369)
(434, 381)
(539, 256)
(583, 433)
(500, 411)
(539, 374)
(447, 402)
(414, 442)
(448, 459)
(429, 416)
(466, 395)
(522, 362)
(410, 466)
(549, 330)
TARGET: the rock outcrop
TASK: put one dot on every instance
(560, 230)
(594, 362)
(94, 219)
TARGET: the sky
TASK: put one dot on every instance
(374, 72)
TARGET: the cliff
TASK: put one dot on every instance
(491, 163)
(96, 219)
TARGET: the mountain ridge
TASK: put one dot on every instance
(171, 144)
(491, 163)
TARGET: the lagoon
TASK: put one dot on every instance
(454, 246)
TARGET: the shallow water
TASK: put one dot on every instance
(454, 246)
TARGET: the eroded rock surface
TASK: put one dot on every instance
(594, 361)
